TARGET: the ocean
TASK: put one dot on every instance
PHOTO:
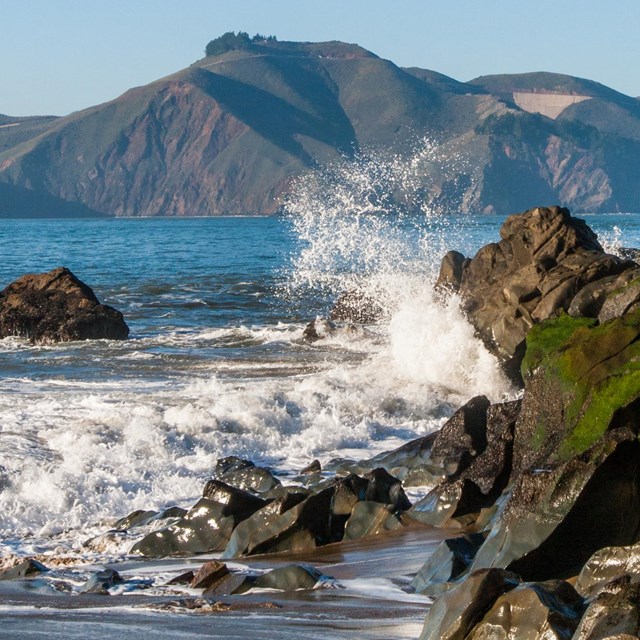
(216, 364)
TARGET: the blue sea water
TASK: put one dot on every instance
(216, 364)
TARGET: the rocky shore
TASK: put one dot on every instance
(536, 501)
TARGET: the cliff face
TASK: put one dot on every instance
(229, 133)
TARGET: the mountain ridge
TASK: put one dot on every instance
(230, 133)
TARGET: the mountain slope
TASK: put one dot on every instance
(229, 133)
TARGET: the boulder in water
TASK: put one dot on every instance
(57, 307)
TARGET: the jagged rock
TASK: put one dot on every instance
(289, 578)
(317, 520)
(207, 526)
(538, 611)
(311, 468)
(135, 519)
(57, 307)
(101, 582)
(454, 614)
(449, 560)
(183, 578)
(485, 475)
(613, 613)
(25, 569)
(451, 271)
(545, 257)
(208, 574)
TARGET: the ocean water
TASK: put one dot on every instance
(216, 365)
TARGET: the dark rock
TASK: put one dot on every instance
(244, 474)
(210, 573)
(544, 259)
(207, 526)
(239, 502)
(135, 519)
(230, 584)
(455, 613)
(451, 558)
(451, 271)
(183, 578)
(318, 329)
(57, 307)
(25, 569)
(369, 519)
(311, 468)
(538, 611)
(318, 520)
(101, 582)
(356, 306)
(386, 489)
(613, 613)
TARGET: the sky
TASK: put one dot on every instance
(60, 56)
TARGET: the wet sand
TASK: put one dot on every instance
(371, 599)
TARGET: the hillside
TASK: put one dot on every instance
(228, 134)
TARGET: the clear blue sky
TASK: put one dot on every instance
(59, 56)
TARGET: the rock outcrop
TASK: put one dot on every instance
(57, 307)
(547, 261)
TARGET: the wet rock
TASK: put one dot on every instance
(135, 519)
(607, 564)
(318, 520)
(544, 258)
(385, 489)
(101, 582)
(613, 613)
(454, 614)
(539, 611)
(207, 526)
(369, 519)
(484, 476)
(230, 584)
(239, 502)
(57, 307)
(356, 306)
(451, 271)
(311, 468)
(318, 329)
(451, 559)
(210, 573)
(25, 569)
(244, 474)
(290, 578)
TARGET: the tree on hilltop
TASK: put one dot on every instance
(229, 41)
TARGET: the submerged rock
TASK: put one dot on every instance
(57, 307)
(101, 582)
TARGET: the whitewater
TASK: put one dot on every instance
(217, 365)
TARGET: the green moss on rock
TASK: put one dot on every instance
(590, 371)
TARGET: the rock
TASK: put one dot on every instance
(207, 526)
(317, 520)
(101, 582)
(135, 519)
(210, 573)
(244, 474)
(544, 259)
(607, 564)
(451, 558)
(356, 306)
(613, 613)
(290, 578)
(485, 472)
(454, 614)
(183, 578)
(318, 329)
(451, 271)
(25, 569)
(312, 468)
(239, 502)
(57, 307)
(538, 611)
(369, 519)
